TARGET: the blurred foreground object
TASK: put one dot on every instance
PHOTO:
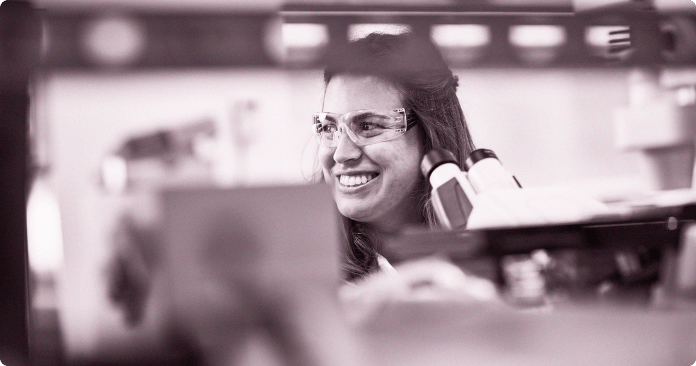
(259, 259)
(46, 257)
(447, 334)
(424, 280)
(19, 54)
(237, 264)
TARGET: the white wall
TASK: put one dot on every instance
(552, 127)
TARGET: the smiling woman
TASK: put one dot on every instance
(376, 183)
(388, 99)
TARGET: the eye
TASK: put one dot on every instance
(324, 124)
(367, 126)
(372, 122)
(328, 127)
(325, 131)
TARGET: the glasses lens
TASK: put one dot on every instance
(372, 126)
(366, 126)
(325, 125)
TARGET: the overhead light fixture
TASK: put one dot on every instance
(537, 44)
(304, 43)
(461, 43)
(609, 41)
(305, 35)
(460, 35)
(537, 35)
(357, 31)
(296, 43)
(114, 40)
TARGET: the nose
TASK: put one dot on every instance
(346, 149)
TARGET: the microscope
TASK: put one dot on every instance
(643, 249)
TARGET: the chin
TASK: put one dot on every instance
(355, 212)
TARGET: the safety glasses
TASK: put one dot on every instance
(363, 127)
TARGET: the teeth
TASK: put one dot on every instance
(355, 180)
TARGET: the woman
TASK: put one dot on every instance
(391, 98)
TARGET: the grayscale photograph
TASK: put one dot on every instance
(347, 182)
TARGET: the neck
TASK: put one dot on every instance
(394, 224)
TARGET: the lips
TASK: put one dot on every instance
(356, 180)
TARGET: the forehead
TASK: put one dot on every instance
(345, 93)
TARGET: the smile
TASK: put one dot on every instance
(356, 180)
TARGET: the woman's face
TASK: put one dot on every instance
(390, 170)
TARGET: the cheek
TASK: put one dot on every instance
(405, 162)
(400, 163)
(326, 161)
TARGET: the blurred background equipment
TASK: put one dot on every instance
(661, 127)
(186, 153)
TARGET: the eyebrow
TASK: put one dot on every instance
(333, 117)
(368, 113)
(330, 116)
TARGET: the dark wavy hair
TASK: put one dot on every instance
(428, 89)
